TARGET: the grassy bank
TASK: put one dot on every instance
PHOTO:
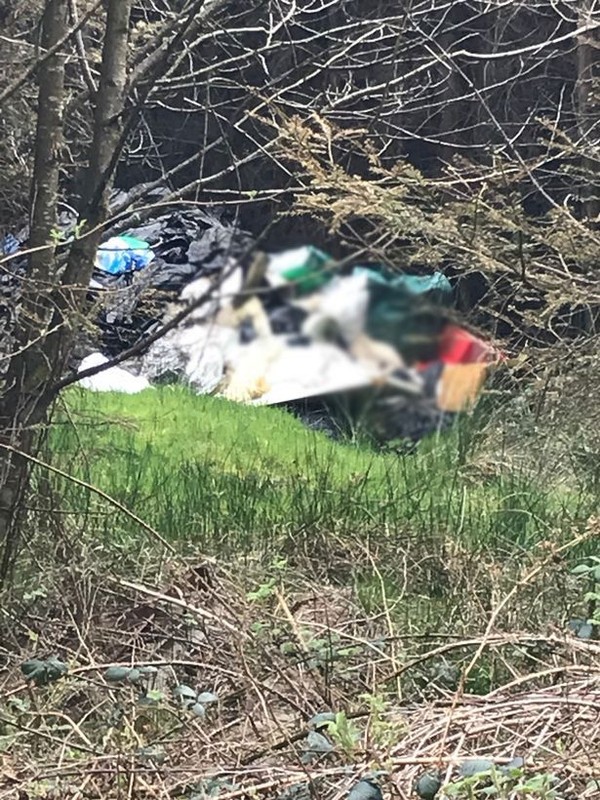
(226, 478)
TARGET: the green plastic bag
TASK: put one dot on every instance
(308, 268)
(407, 311)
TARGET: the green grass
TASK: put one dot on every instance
(229, 479)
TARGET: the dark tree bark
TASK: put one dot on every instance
(53, 302)
(54, 298)
(19, 405)
(106, 146)
(588, 111)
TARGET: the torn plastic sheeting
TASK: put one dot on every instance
(188, 244)
(129, 311)
(407, 311)
(196, 354)
(113, 379)
(191, 242)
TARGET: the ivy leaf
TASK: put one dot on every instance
(135, 676)
(475, 766)
(185, 693)
(428, 785)
(575, 624)
(117, 674)
(581, 569)
(206, 698)
(365, 790)
(31, 668)
(585, 631)
(56, 667)
(316, 745)
(536, 783)
(321, 720)
(44, 672)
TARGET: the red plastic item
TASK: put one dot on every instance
(458, 346)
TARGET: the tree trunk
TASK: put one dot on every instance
(49, 312)
(19, 407)
(54, 298)
(588, 116)
(104, 154)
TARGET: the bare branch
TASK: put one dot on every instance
(26, 74)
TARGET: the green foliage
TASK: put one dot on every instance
(185, 693)
(267, 589)
(193, 701)
(344, 733)
(385, 729)
(263, 592)
(143, 679)
(589, 570)
(123, 675)
(481, 779)
(414, 222)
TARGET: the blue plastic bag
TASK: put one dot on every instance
(9, 245)
(123, 254)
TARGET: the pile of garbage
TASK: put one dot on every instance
(292, 328)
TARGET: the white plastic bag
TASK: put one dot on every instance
(113, 379)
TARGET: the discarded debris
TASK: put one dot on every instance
(288, 327)
(113, 379)
(122, 254)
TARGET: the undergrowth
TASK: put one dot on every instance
(183, 547)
